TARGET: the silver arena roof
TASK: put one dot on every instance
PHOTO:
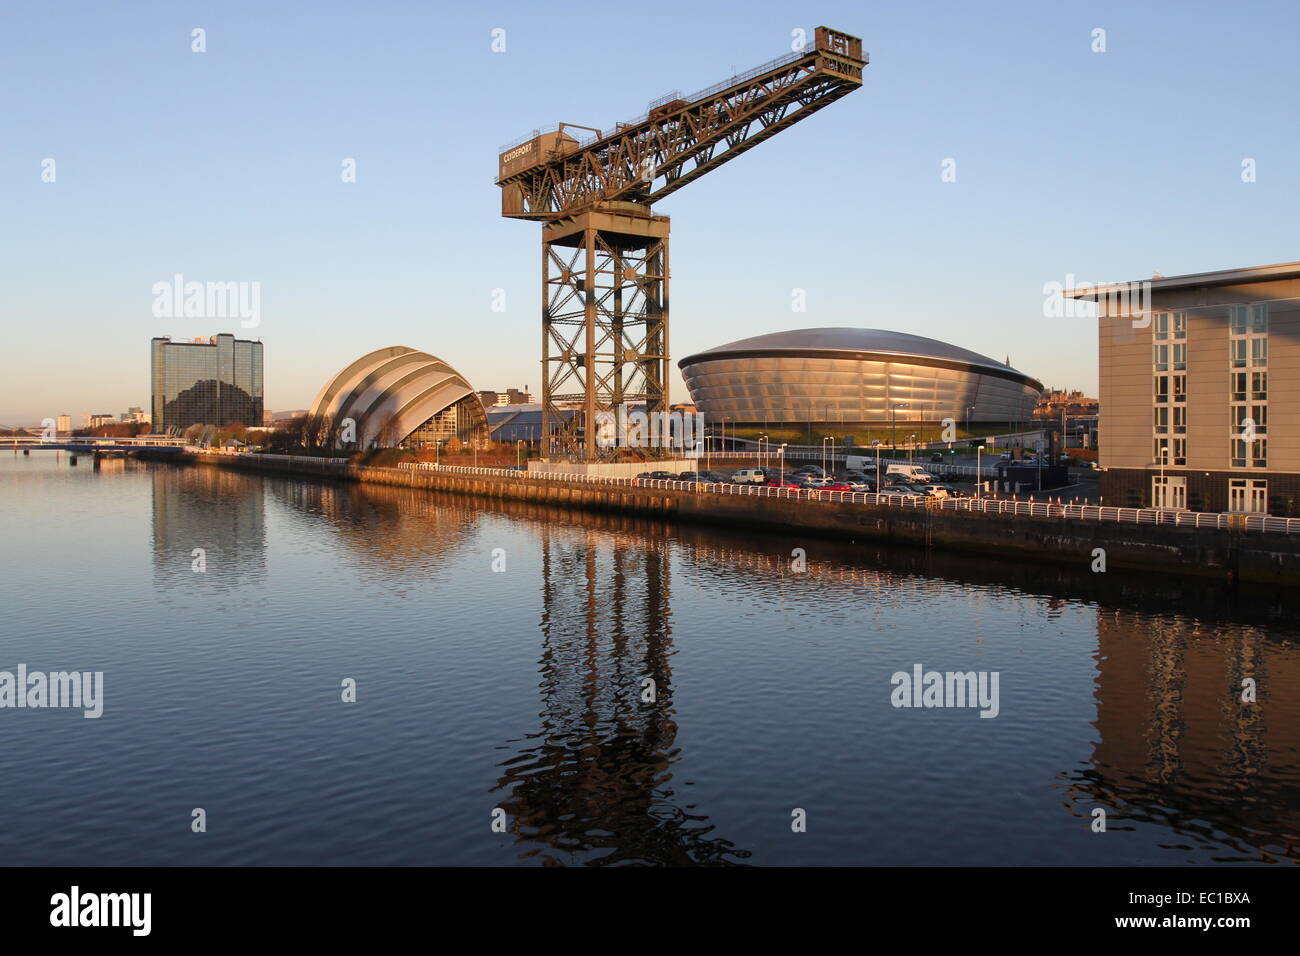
(856, 343)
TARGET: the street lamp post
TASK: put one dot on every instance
(979, 485)
(781, 452)
(825, 462)
(877, 444)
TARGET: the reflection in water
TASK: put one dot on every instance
(1177, 746)
(218, 511)
(389, 530)
(1186, 771)
(594, 785)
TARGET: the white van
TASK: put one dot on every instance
(749, 476)
(915, 474)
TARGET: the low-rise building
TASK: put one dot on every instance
(1200, 390)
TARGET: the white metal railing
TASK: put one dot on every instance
(1038, 509)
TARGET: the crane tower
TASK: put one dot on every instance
(605, 253)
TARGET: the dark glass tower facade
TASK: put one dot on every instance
(217, 381)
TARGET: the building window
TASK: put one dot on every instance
(1162, 418)
(1180, 356)
(1162, 388)
(1180, 325)
(1180, 419)
(1180, 388)
(1160, 358)
(1160, 451)
(1258, 352)
(1237, 320)
(1259, 414)
(1160, 326)
(1259, 318)
(1237, 386)
(1259, 386)
(1238, 349)
(1248, 494)
(1249, 453)
(1180, 451)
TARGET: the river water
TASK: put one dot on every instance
(505, 656)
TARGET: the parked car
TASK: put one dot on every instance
(838, 486)
(936, 457)
(750, 476)
(933, 490)
(910, 473)
(860, 484)
(715, 478)
(810, 470)
(813, 481)
(786, 482)
(906, 491)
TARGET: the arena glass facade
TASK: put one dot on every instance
(854, 377)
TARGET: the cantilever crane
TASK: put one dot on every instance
(605, 254)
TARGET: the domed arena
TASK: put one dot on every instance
(845, 377)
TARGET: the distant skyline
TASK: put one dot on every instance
(228, 166)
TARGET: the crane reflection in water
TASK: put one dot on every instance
(595, 783)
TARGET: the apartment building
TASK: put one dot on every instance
(1200, 390)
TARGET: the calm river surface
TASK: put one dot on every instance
(522, 689)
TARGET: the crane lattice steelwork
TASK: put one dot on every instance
(605, 254)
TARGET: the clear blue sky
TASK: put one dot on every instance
(224, 166)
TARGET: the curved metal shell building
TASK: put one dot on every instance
(849, 375)
(401, 396)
